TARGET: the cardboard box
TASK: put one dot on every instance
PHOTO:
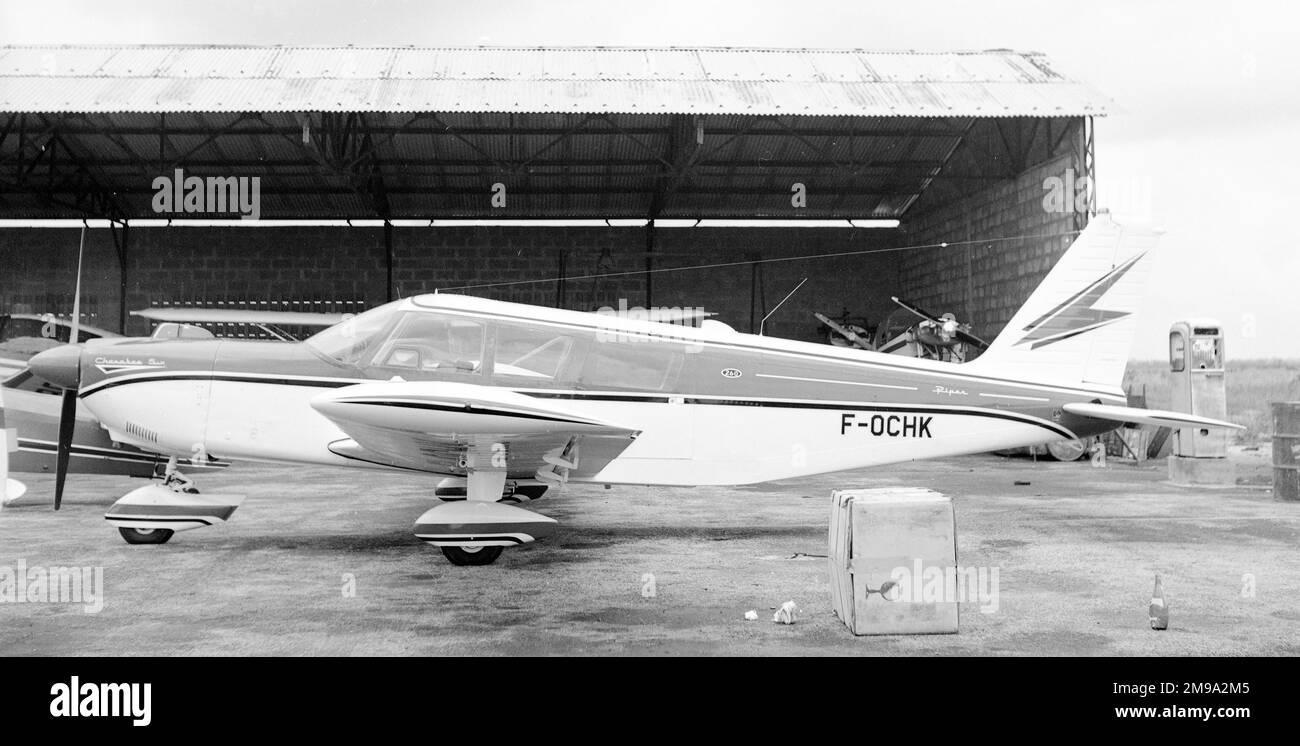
(893, 555)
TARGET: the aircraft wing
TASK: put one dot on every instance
(1146, 416)
(198, 315)
(452, 428)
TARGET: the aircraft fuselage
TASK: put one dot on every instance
(711, 407)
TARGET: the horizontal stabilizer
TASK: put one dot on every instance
(1146, 416)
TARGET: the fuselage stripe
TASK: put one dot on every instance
(972, 411)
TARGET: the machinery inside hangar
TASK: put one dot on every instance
(573, 177)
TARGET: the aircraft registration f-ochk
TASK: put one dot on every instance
(506, 400)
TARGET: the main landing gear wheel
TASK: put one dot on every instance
(147, 535)
(468, 555)
(1067, 450)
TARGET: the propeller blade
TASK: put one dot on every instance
(915, 309)
(842, 330)
(68, 411)
(67, 425)
(972, 340)
(964, 336)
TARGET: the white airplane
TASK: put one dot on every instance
(504, 400)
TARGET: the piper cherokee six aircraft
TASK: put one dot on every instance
(504, 400)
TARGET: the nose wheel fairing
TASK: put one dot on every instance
(158, 507)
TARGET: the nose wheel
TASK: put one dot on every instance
(145, 535)
(471, 555)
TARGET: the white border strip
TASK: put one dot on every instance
(844, 383)
(1012, 396)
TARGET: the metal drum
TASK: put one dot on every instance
(1286, 450)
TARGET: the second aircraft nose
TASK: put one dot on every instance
(59, 365)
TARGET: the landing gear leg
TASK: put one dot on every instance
(483, 487)
(175, 481)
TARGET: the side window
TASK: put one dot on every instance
(26, 336)
(33, 328)
(632, 365)
(530, 352)
(1177, 352)
(432, 343)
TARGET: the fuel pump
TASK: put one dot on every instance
(1198, 386)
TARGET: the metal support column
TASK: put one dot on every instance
(649, 261)
(1090, 163)
(122, 245)
(1087, 169)
(561, 261)
(388, 260)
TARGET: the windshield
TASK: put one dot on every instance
(348, 340)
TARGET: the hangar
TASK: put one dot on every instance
(571, 177)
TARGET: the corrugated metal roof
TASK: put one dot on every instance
(168, 79)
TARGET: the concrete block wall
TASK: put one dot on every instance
(1003, 242)
(37, 268)
(38, 273)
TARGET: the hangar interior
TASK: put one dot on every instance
(570, 177)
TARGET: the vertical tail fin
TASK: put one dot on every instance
(1077, 327)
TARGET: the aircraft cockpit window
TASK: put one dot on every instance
(529, 352)
(347, 341)
(430, 342)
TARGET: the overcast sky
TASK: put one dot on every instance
(1207, 94)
